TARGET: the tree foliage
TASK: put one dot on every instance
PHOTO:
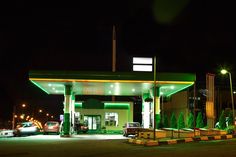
(173, 121)
(190, 121)
(181, 123)
(200, 123)
(222, 120)
(231, 119)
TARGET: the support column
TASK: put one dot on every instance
(72, 113)
(157, 108)
(67, 104)
(146, 110)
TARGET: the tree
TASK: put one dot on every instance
(173, 122)
(191, 120)
(231, 119)
(181, 123)
(166, 122)
(200, 123)
(222, 121)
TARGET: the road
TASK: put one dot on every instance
(107, 146)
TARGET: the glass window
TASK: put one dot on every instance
(111, 119)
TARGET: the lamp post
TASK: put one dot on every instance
(223, 71)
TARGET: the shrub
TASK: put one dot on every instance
(231, 129)
(222, 120)
(230, 120)
(191, 120)
(173, 122)
(200, 123)
(181, 123)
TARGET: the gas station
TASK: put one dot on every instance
(110, 113)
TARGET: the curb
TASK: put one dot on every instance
(150, 142)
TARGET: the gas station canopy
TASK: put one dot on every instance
(110, 83)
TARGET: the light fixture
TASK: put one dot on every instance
(224, 71)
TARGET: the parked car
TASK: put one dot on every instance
(51, 127)
(6, 133)
(25, 128)
(131, 128)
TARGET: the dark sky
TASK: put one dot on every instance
(188, 36)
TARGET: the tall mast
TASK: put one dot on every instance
(113, 49)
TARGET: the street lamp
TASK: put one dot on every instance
(224, 71)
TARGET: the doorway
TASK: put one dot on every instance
(93, 122)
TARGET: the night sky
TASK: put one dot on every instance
(186, 36)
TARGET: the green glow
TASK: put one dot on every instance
(39, 86)
(179, 90)
(116, 105)
(108, 105)
(112, 77)
(78, 104)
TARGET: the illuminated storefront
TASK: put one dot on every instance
(109, 115)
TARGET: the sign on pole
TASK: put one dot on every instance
(142, 64)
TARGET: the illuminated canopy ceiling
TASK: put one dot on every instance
(110, 83)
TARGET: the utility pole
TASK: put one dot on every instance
(232, 95)
(113, 48)
(154, 103)
(113, 53)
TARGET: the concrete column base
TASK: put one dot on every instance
(65, 135)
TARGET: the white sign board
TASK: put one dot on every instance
(142, 64)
